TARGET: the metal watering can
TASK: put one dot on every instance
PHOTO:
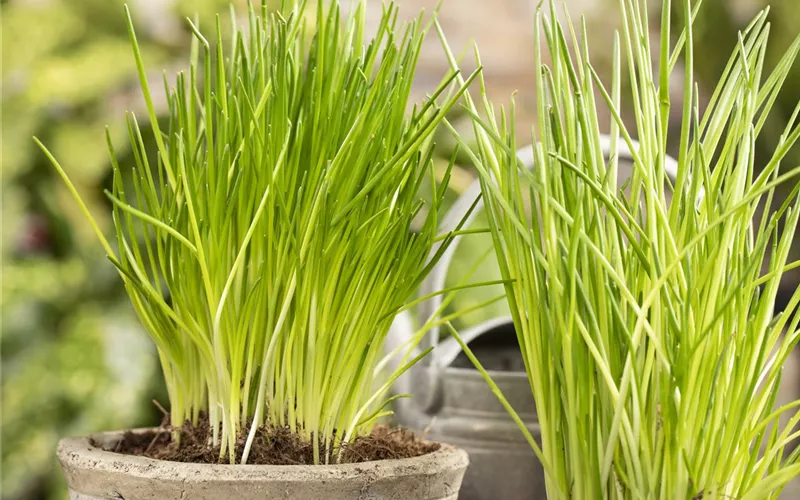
(452, 403)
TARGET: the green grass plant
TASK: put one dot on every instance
(647, 327)
(267, 243)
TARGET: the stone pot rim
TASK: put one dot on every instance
(474, 373)
(80, 453)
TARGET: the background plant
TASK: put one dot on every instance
(270, 250)
(647, 327)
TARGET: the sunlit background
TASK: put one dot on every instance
(74, 359)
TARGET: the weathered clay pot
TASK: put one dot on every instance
(93, 473)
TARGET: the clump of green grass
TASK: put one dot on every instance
(266, 244)
(648, 327)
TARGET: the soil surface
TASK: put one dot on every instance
(271, 446)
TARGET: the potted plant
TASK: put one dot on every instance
(647, 327)
(265, 245)
(452, 403)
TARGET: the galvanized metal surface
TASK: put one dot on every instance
(466, 414)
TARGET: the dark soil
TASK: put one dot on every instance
(271, 446)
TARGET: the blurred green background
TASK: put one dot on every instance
(74, 359)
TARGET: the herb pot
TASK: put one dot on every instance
(452, 402)
(94, 473)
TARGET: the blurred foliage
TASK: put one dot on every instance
(74, 359)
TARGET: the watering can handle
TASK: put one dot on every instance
(436, 279)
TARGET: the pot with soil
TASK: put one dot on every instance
(389, 465)
(267, 241)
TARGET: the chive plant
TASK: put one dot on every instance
(267, 242)
(647, 327)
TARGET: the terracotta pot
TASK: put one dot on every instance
(93, 473)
